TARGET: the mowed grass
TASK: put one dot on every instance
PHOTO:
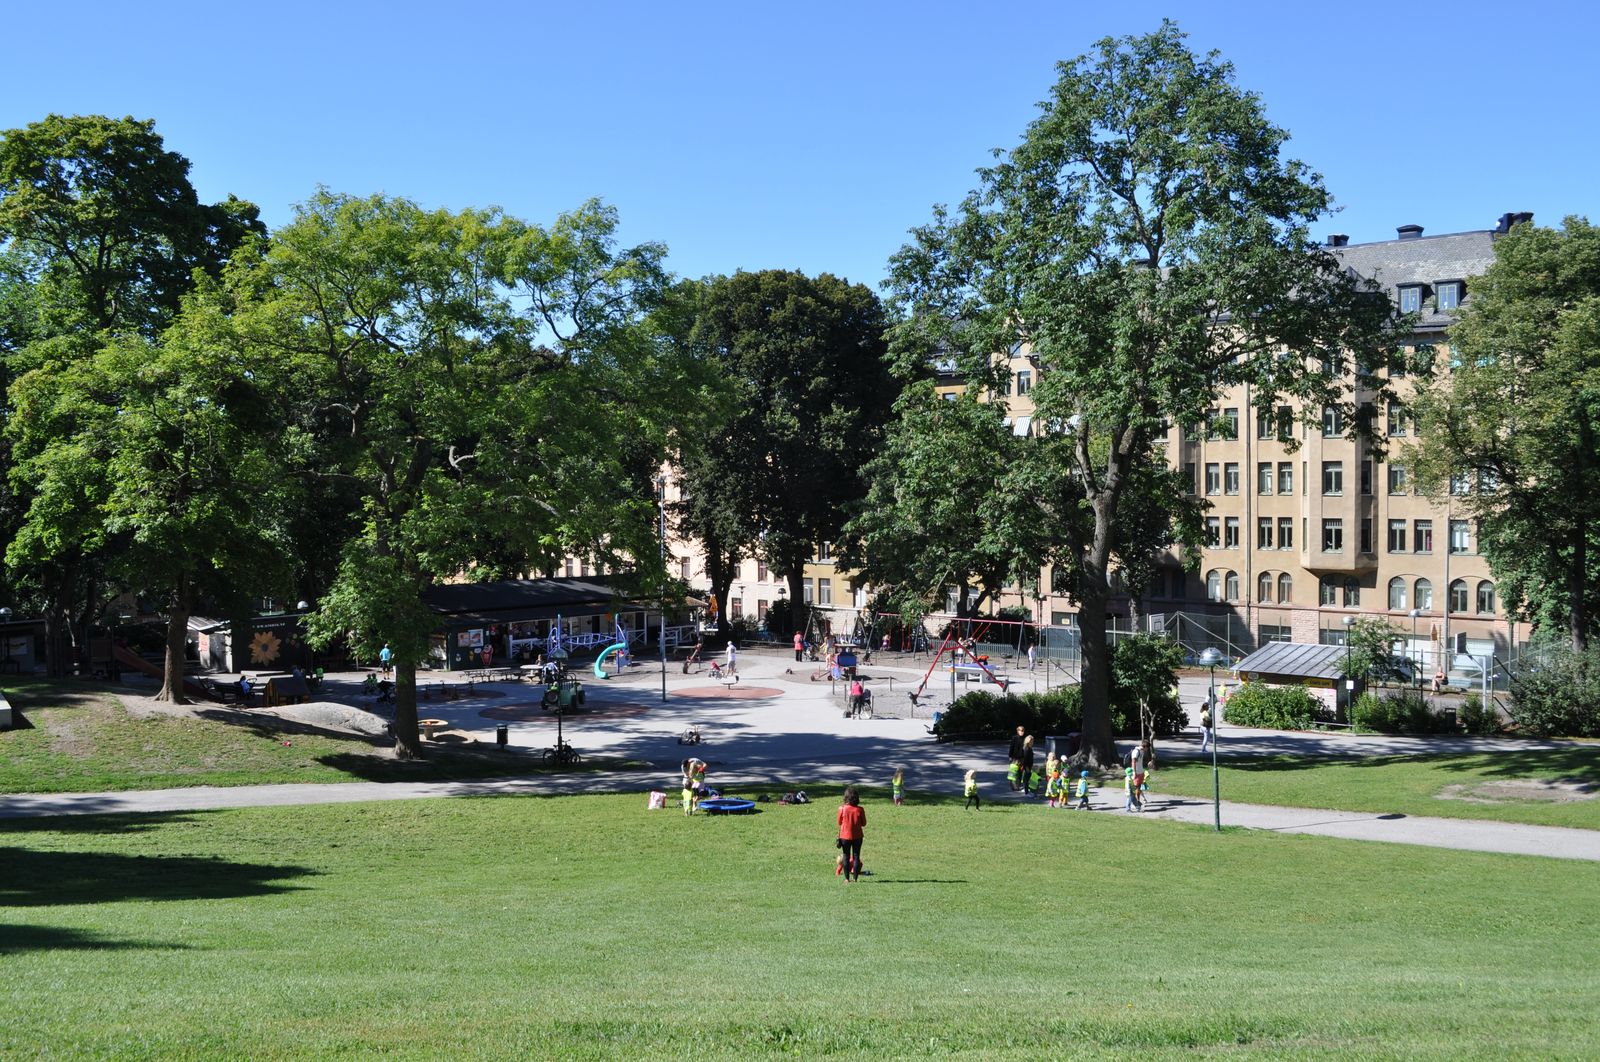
(1410, 785)
(85, 741)
(587, 927)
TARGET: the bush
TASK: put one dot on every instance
(1397, 714)
(1060, 711)
(1560, 695)
(1475, 718)
(1271, 707)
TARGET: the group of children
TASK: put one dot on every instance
(1054, 782)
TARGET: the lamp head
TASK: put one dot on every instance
(1210, 656)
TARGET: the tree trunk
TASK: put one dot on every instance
(407, 739)
(1577, 590)
(799, 608)
(177, 639)
(57, 641)
(1097, 746)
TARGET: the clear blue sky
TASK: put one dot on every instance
(808, 136)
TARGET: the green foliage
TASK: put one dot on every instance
(1558, 693)
(1397, 713)
(1272, 707)
(1371, 651)
(1477, 718)
(1518, 418)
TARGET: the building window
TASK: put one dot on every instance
(1264, 533)
(1264, 477)
(1024, 381)
(1230, 533)
(1397, 593)
(806, 590)
(1397, 420)
(761, 571)
(1230, 477)
(1285, 589)
(572, 567)
(1230, 422)
(1286, 532)
(1399, 481)
(1424, 595)
(824, 591)
(1352, 594)
(1458, 595)
(824, 551)
(1231, 586)
(1411, 298)
(1333, 477)
(1366, 477)
(1460, 541)
(1213, 586)
(1333, 536)
(1328, 590)
(1397, 536)
(1286, 477)
(1189, 480)
(1213, 479)
(1422, 537)
(1265, 427)
(1486, 596)
(1332, 422)
(736, 608)
(1449, 294)
(1285, 423)
(1460, 483)
(1366, 534)
(1264, 587)
(1213, 531)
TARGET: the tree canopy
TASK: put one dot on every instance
(1149, 244)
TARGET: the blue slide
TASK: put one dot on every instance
(599, 661)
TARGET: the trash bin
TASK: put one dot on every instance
(501, 734)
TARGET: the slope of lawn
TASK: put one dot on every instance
(1479, 785)
(84, 741)
(587, 927)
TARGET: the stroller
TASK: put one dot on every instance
(690, 736)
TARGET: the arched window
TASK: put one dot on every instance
(1264, 587)
(1486, 596)
(1285, 586)
(1458, 595)
(1352, 594)
(1328, 590)
(1397, 593)
(1214, 586)
(1424, 595)
(1233, 586)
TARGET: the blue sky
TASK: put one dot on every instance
(807, 136)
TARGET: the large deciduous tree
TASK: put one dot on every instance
(801, 364)
(1517, 419)
(482, 384)
(1150, 244)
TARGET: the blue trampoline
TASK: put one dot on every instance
(727, 806)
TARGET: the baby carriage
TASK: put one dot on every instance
(690, 736)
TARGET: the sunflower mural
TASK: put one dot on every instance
(265, 647)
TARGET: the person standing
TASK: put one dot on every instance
(1083, 790)
(733, 657)
(970, 788)
(852, 826)
(1014, 753)
(897, 786)
(799, 646)
(1206, 737)
(386, 658)
(1033, 656)
(1030, 781)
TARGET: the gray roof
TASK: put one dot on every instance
(1293, 660)
(1424, 260)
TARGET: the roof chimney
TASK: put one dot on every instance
(1338, 239)
(1410, 232)
(1508, 220)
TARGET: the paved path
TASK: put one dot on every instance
(799, 736)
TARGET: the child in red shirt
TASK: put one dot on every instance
(852, 824)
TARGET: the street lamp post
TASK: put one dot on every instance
(1210, 658)
(1349, 678)
(661, 508)
(1416, 665)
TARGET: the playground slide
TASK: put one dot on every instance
(599, 661)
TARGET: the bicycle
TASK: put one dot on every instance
(562, 754)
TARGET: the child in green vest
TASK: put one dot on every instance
(971, 790)
(1014, 775)
(898, 786)
(1083, 791)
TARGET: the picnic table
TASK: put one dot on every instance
(286, 689)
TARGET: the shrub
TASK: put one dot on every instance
(1272, 707)
(1397, 714)
(1475, 718)
(1558, 695)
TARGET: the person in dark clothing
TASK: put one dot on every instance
(1015, 753)
(1027, 763)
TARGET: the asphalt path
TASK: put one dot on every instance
(793, 732)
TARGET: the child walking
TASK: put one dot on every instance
(1129, 789)
(971, 789)
(1083, 791)
(898, 786)
(1052, 785)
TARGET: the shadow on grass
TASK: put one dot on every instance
(14, 940)
(35, 693)
(34, 878)
(1576, 763)
(124, 822)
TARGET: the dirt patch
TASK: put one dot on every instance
(1522, 790)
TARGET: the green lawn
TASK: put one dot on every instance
(85, 741)
(587, 927)
(1410, 785)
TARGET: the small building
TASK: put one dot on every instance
(1319, 668)
(21, 645)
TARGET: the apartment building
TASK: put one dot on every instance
(1303, 538)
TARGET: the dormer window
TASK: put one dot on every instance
(1410, 298)
(1449, 292)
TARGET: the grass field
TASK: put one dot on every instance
(586, 927)
(85, 741)
(1410, 785)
